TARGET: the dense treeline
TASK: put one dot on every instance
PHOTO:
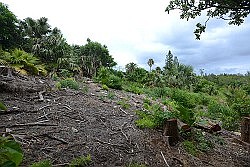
(33, 47)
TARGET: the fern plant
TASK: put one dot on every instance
(23, 62)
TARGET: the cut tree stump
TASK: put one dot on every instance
(245, 129)
(170, 130)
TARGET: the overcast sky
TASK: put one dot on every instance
(136, 30)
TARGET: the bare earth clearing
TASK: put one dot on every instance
(68, 123)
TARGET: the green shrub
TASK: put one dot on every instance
(105, 87)
(114, 82)
(230, 118)
(159, 92)
(80, 161)
(11, 154)
(68, 83)
(44, 163)
(124, 104)
(190, 147)
(154, 118)
(65, 73)
(106, 77)
(196, 141)
(185, 98)
(185, 114)
(133, 87)
(111, 95)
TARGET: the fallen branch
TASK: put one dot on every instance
(41, 95)
(41, 108)
(208, 126)
(103, 142)
(27, 124)
(123, 111)
(164, 159)
(56, 138)
(123, 132)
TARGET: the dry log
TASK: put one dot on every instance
(245, 129)
(208, 126)
(170, 129)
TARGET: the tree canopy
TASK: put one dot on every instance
(235, 11)
(9, 32)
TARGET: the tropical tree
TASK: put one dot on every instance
(169, 64)
(150, 63)
(92, 56)
(135, 73)
(234, 11)
(130, 67)
(9, 31)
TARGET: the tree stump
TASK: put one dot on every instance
(170, 130)
(245, 129)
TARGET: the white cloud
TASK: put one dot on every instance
(135, 30)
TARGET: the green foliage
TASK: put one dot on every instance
(239, 101)
(44, 163)
(106, 77)
(189, 146)
(186, 115)
(23, 62)
(185, 98)
(2, 106)
(133, 87)
(65, 73)
(11, 154)
(124, 104)
(159, 92)
(197, 142)
(153, 118)
(114, 82)
(135, 73)
(92, 56)
(10, 36)
(234, 11)
(229, 117)
(111, 95)
(68, 83)
(105, 87)
(80, 161)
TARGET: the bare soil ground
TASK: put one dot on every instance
(68, 123)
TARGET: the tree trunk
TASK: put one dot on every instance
(245, 129)
(171, 131)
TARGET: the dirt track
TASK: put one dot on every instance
(68, 124)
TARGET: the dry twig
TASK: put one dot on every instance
(164, 159)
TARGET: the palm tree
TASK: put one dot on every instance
(130, 67)
(150, 63)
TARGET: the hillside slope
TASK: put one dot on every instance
(66, 124)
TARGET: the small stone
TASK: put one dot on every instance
(74, 130)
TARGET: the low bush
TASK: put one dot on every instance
(153, 118)
(68, 83)
(81, 161)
